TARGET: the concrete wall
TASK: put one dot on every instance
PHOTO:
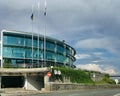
(59, 87)
(34, 83)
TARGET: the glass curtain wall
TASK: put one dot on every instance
(17, 49)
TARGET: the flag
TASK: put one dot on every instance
(45, 13)
(32, 17)
(45, 8)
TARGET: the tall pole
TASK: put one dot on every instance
(45, 45)
(38, 31)
(45, 34)
(32, 18)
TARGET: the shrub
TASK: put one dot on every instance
(76, 76)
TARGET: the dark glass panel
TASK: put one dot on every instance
(50, 46)
(11, 40)
(60, 58)
(28, 42)
(28, 53)
(60, 49)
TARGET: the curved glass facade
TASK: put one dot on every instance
(26, 50)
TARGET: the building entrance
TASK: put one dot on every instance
(12, 81)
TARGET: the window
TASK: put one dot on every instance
(18, 52)
(28, 53)
(13, 40)
(13, 52)
(41, 44)
(60, 58)
(50, 46)
(35, 43)
(60, 49)
(28, 42)
(41, 54)
(67, 51)
(50, 56)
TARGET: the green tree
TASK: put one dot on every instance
(7, 64)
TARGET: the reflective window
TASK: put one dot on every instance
(28, 42)
(7, 52)
(66, 60)
(41, 54)
(41, 44)
(67, 51)
(13, 52)
(18, 52)
(11, 40)
(22, 49)
(35, 54)
(28, 53)
(50, 56)
(50, 46)
(60, 49)
(60, 58)
(35, 43)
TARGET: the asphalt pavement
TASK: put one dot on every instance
(95, 92)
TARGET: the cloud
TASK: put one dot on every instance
(109, 44)
(82, 56)
(83, 24)
(97, 61)
(100, 68)
(98, 53)
(93, 43)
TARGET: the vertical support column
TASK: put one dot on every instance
(24, 52)
(55, 50)
(65, 54)
(38, 64)
(26, 82)
(46, 82)
(70, 57)
(2, 48)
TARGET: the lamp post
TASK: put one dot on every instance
(51, 67)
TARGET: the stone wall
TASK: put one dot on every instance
(60, 87)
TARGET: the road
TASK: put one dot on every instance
(95, 92)
(100, 92)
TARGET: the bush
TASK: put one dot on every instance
(108, 80)
(76, 76)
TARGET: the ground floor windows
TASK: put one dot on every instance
(27, 63)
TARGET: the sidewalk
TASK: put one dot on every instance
(18, 92)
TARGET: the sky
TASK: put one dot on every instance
(92, 27)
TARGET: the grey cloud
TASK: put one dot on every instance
(81, 22)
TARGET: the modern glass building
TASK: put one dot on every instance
(22, 49)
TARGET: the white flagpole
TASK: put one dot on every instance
(38, 31)
(32, 33)
(45, 34)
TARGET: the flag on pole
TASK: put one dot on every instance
(45, 8)
(32, 17)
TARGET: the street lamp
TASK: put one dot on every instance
(51, 67)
